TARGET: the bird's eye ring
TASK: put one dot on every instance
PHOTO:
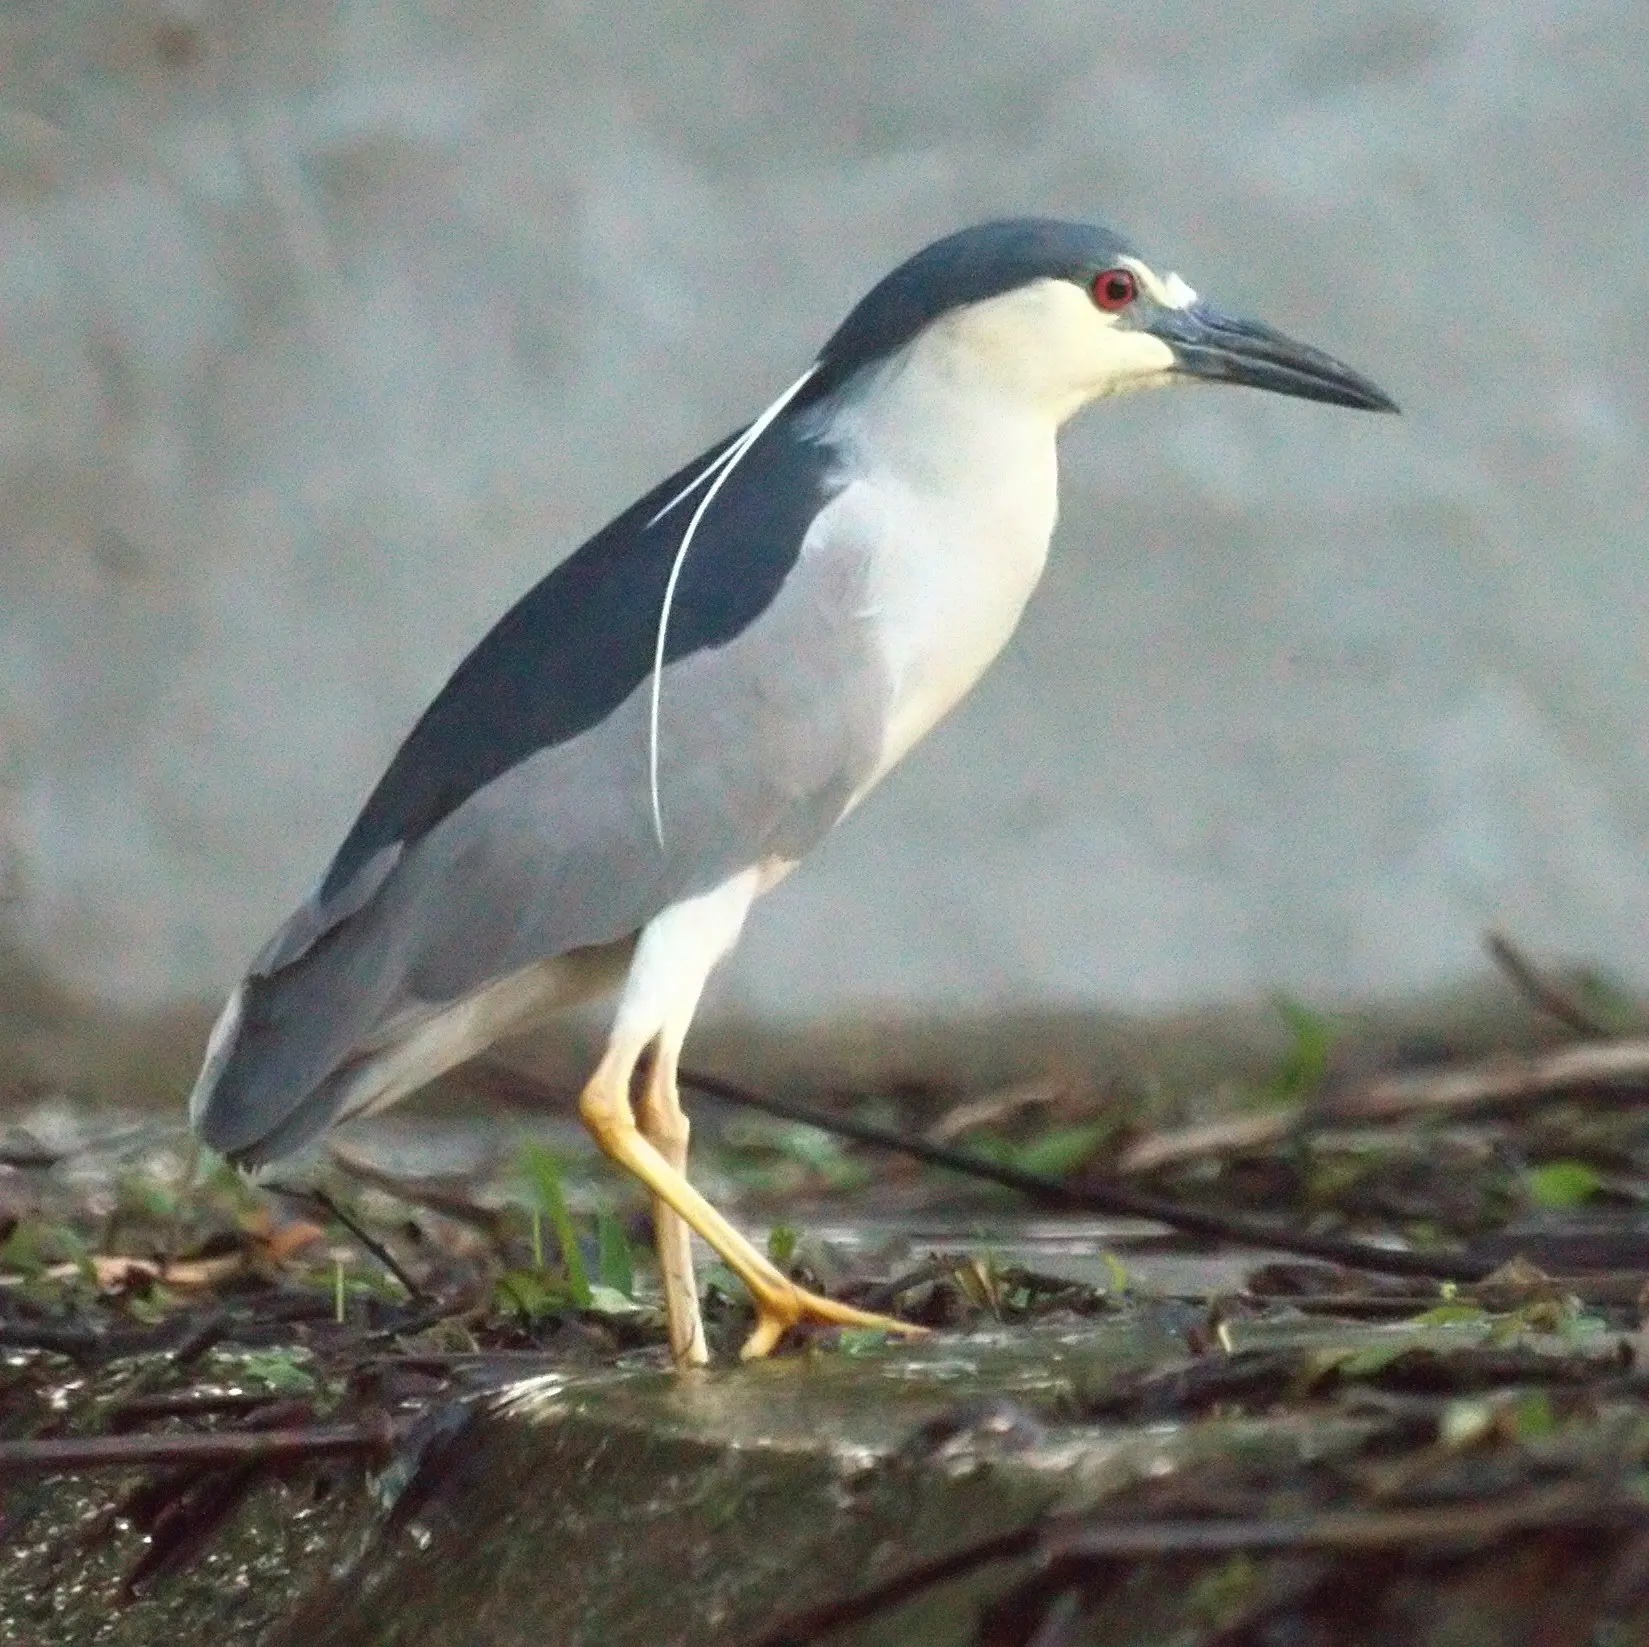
(1115, 289)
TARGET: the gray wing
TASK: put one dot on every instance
(762, 743)
(763, 740)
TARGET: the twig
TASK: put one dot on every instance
(1112, 1197)
(200, 1338)
(1058, 1619)
(185, 1404)
(995, 1107)
(1451, 1527)
(1120, 1200)
(1227, 1135)
(884, 1294)
(441, 1309)
(19, 1148)
(1513, 1081)
(1545, 993)
(1502, 1084)
(179, 1517)
(370, 1242)
(186, 1341)
(439, 1363)
(74, 1454)
(74, 1342)
(1369, 1306)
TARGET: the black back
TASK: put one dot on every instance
(578, 643)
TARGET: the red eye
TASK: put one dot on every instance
(1115, 289)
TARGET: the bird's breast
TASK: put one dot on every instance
(945, 575)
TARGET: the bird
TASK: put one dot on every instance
(660, 729)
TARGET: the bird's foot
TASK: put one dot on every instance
(778, 1310)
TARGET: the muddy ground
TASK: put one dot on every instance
(1394, 1370)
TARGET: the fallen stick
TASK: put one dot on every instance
(1498, 1084)
(59, 1455)
(1502, 1081)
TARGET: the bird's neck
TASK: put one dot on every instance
(955, 448)
(925, 414)
(956, 496)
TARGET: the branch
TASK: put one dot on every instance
(74, 1454)
(1111, 1197)
(1543, 992)
(1506, 1081)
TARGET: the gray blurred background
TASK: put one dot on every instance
(326, 326)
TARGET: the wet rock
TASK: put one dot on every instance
(647, 1508)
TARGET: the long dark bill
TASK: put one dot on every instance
(1225, 349)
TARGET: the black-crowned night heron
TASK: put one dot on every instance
(657, 732)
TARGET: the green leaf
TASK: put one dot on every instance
(1305, 1065)
(1062, 1150)
(544, 1173)
(770, 1155)
(606, 1300)
(21, 1250)
(1219, 1597)
(281, 1369)
(1532, 1416)
(782, 1240)
(529, 1292)
(716, 1274)
(1369, 1361)
(861, 1340)
(613, 1263)
(1559, 1184)
(151, 1307)
(145, 1196)
(1449, 1315)
(1609, 1002)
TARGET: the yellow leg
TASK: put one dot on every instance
(664, 1125)
(780, 1304)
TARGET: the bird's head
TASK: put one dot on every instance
(1058, 314)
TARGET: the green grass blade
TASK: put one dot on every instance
(613, 1254)
(544, 1173)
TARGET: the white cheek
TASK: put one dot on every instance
(1087, 352)
(1120, 359)
(1046, 347)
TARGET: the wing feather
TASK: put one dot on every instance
(514, 823)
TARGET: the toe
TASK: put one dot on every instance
(764, 1340)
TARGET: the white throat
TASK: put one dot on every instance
(950, 501)
(952, 480)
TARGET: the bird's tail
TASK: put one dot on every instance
(288, 1036)
(280, 1069)
(242, 1106)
